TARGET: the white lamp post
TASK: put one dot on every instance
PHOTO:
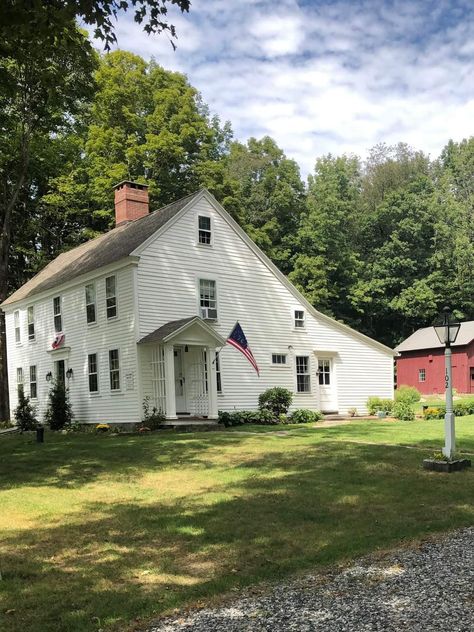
(447, 331)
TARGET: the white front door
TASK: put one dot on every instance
(179, 380)
(327, 386)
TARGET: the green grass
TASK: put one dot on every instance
(108, 532)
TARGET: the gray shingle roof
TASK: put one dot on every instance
(426, 338)
(101, 251)
(165, 330)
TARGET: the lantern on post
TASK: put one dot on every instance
(447, 329)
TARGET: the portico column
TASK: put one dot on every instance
(170, 389)
(212, 382)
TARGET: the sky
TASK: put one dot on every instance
(326, 77)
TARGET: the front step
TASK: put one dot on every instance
(191, 424)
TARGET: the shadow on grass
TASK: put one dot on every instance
(285, 512)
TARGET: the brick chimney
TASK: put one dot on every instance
(131, 201)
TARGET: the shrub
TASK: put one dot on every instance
(304, 416)
(387, 405)
(433, 413)
(373, 405)
(239, 417)
(403, 411)
(59, 413)
(152, 417)
(407, 394)
(25, 413)
(352, 412)
(276, 399)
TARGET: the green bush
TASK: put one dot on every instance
(403, 411)
(239, 417)
(373, 405)
(276, 399)
(25, 413)
(59, 413)
(407, 394)
(387, 405)
(304, 416)
(152, 417)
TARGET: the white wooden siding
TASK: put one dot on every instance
(248, 291)
(82, 339)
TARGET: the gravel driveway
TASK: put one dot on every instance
(427, 588)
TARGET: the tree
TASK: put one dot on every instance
(24, 413)
(42, 20)
(327, 262)
(43, 88)
(263, 190)
(59, 413)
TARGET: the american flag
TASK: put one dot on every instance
(238, 340)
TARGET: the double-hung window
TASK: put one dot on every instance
(33, 383)
(421, 375)
(90, 303)
(93, 373)
(299, 319)
(111, 296)
(31, 322)
(324, 372)
(204, 230)
(58, 318)
(16, 320)
(19, 380)
(208, 299)
(303, 380)
(114, 370)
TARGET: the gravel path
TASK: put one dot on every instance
(427, 588)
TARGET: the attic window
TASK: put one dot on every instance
(205, 230)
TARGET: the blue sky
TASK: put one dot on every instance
(324, 77)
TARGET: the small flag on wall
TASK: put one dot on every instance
(238, 340)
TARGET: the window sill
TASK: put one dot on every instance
(117, 393)
(95, 395)
(200, 245)
(92, 325)
(299, 329)
(112, 319)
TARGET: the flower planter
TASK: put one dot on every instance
(446, 466)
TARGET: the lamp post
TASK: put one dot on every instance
(447, 331)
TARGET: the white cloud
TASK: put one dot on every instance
(327, 76)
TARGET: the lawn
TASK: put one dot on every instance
(107, 532)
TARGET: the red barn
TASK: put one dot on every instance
(421, 361)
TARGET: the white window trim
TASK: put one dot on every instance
(112, 318)
(419, 376)
(279, 365)
(28, 323)
(20, 372)
(293, 315)
(207, 277)
(310, 391)
(97, 392)
(198, 243)
(60, 314)
(17, 326)
(115, 391)
(93, 323)
(219, 363)
(33, 382)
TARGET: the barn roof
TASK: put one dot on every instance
(426, 338)
(101, 251)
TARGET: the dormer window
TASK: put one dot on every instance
(299, 319)
(205, 230)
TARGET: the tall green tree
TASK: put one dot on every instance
(326, 264)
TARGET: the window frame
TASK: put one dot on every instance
(218, 374)
(57, 300)
(30, 323)
(112, 297)
(33, 374)
(206, 231)
(297, 320)
(275, 363)
(93, 303)
(114, 371)
(324, 372)
(306, 374)
(92, 373)
(17, 326)
(420, 372)
(20, 380)
(201, 300)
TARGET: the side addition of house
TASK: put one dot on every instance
(144, 311)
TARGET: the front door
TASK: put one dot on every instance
(179, 380)
(327, 386)
(60, 372)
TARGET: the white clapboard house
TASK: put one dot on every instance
(141, 312)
